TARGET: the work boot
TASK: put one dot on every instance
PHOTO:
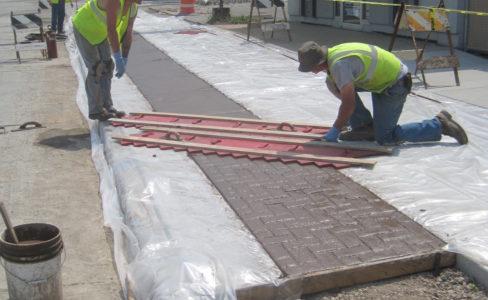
(118, 113)
(452, 128)
(102, 116)
(364, 133)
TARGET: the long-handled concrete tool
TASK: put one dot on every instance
(6, 219)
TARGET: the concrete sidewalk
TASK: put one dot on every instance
(47, 173)
(51, 176)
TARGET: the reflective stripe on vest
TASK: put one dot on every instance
(381, 67)
(101, 16)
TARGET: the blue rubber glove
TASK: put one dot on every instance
(332, 135)
(119, 64)
(126, 60)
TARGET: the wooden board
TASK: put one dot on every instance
(342, 145)
(207, 117)
(438, 62)
(295, 134)
(248, 151)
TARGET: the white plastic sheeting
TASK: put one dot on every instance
(174, 235)
(441, 185)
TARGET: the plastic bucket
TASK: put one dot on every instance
(33, 267)
(187, 7)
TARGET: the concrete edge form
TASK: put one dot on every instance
(345, 277)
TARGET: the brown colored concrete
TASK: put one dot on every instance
(319, 226)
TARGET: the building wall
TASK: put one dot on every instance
(477, 27)
(381, 19)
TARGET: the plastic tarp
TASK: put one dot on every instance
(174, 235)
(441, 185)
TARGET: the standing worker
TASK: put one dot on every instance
(100, 26)
(353, 67)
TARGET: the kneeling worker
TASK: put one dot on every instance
(353, 67)
(100, 26)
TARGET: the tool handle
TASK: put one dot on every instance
(6, 219)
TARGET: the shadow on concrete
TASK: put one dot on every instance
(70, 140)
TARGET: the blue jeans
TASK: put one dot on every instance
(387, 108)
(57, 16)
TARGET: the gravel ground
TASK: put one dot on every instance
(450, 284)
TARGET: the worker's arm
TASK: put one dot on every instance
(348, 103)
(127, 42)
(111, 8)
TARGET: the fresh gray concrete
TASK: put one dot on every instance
(181, 91)
(47, 174)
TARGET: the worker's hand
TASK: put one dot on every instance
(332, 135)
(119, 64)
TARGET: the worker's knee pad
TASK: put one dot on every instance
(109, 67)
(96, 70)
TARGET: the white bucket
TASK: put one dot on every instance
(33, 266)
(35, 281)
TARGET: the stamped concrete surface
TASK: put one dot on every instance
(309, 220)
(47, 174)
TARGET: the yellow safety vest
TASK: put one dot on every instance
(57, 1)
(91, 21)
(381, 68)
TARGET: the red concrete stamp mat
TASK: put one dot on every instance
(255, 139)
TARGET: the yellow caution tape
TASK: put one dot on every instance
(447, 10)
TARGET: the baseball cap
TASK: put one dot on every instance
(310, 54)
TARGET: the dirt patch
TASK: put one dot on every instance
(450, 284)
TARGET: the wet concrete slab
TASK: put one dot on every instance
(323, 230)
(169, 87)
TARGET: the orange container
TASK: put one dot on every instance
(187, 7)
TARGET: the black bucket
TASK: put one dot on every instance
(37, 242)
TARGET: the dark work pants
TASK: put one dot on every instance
(57, 16)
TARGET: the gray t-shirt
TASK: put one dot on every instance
(347, 69)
